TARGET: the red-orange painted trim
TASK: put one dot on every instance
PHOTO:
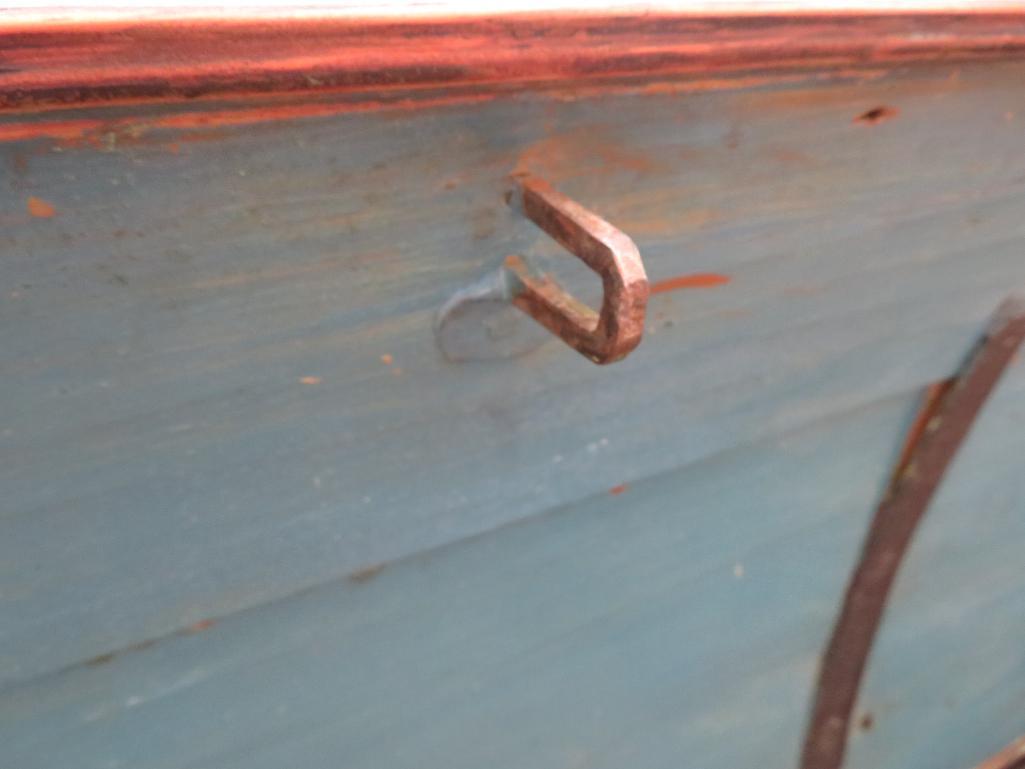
(54, 64)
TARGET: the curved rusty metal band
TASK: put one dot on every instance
(947, 422)
(1011, 757)
(603, 337)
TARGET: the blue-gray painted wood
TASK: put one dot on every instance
(162, 461)
(675, 624)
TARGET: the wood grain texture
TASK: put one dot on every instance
(46, 63)
(219, 378)
(674, 619)
(677, 618)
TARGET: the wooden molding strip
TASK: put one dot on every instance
(56, 63)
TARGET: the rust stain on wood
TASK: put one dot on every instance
(948, 419)
(694, 280)
(42, 209)
(581, 152)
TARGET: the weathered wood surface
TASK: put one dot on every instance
(677, 622)
(219, 380)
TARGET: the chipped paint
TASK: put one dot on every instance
(41, 209)
(694, 280)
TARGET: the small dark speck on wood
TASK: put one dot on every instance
(876, 115)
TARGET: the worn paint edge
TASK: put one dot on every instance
(47, 64)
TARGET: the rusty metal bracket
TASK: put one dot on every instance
(610, 334)
(946, 420)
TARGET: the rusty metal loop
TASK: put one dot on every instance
(603, 337)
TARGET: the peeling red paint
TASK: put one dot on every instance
(54, 64)
(694, 280)
(619, 489)
(40, 208)
(203, 624)
(310, 380)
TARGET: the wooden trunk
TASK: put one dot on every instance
(253, 516)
